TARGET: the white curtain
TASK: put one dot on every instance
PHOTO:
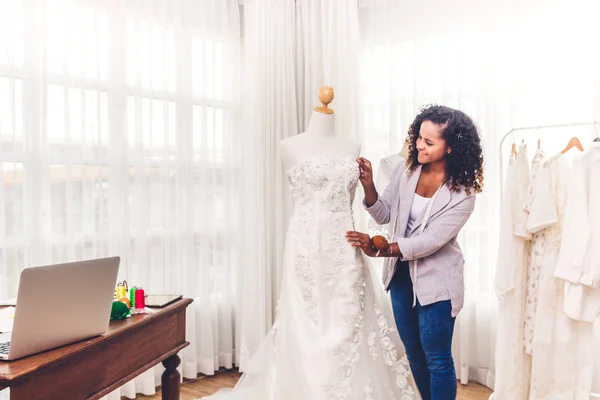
(507, 64)
(117, 137)
(329, 48)
(269, 115)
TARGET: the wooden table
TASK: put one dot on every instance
(93, 368)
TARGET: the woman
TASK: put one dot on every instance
(428, 201)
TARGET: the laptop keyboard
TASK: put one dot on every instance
(4, 347)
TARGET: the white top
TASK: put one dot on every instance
(578, 257)
(542, 202)
(416, 209)
(578, 262)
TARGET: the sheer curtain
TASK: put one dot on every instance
(507, 64)
(117, 137)
(329, 46)
(269, 115)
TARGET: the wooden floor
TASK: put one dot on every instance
(206, 385)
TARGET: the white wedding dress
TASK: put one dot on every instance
(334, 335)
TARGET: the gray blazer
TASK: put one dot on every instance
(441, 262)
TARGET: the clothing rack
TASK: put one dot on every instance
(529, 128)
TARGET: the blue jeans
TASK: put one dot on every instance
(427, 335)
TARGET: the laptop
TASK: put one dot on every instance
(60, 304)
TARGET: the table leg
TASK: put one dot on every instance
(170, 378)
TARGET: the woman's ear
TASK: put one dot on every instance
(449, 150)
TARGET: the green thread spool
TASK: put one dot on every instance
(132, 297)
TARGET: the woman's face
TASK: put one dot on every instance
(430, 143)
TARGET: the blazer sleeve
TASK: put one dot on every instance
(439, 232)
(381, 209)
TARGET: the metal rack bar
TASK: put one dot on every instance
(528, 128)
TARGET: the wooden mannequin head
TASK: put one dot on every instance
(325, 96)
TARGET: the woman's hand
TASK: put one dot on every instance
(363, 241)
(366, 172)
(366, 178)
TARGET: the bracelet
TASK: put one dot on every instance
(390, 250)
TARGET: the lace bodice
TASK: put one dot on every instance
(324, 183)
(323, 190)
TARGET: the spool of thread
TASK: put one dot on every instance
(140, 301)
(380, 242)
(132, 296)
(121, 292)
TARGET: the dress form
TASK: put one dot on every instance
(319, 139)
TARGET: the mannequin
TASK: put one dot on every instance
(319, 139)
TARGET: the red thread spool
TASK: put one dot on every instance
(140, 300)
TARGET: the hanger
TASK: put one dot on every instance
(574, 142)
(523, 144)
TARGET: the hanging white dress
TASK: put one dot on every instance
(558, 371)
(334, 336)
(579, 261)
(536, 251)
(512, 366)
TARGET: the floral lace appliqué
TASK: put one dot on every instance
(316, 184)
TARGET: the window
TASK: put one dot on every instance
(123, 147)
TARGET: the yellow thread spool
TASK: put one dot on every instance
(121, 292)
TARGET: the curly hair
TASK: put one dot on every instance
(464, 164)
